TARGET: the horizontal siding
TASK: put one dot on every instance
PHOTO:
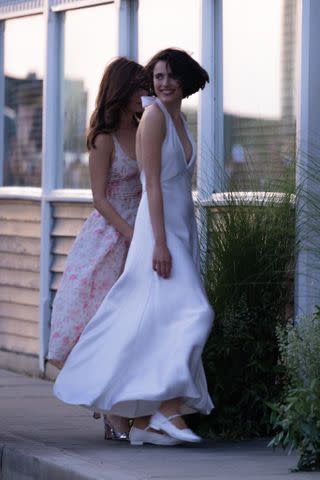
(20, 232)
(18, 343)
(19, 262)
(55, 282)
(62, 245)
(69, 210)
(19, 278)
(11, 326)
(68, 221)
(20, 228)
(28, 313)
(67, 227)
(19, 296)
(11, 211)
(58, 263)
(27, 246)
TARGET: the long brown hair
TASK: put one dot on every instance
(121, 78)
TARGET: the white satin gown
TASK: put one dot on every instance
(144, 344)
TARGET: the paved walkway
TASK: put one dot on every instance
(43, 439)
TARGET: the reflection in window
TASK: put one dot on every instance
(259, 56)
(23, 66)
(159, 29)
(90, 44)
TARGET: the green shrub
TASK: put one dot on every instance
(248, 277)
(296, 418)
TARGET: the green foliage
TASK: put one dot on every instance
(248, 277)
(296, 418)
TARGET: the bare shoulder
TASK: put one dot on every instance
(152, 120)
(153, 110)
(104, 142)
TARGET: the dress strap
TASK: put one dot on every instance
(117, 147)
(115, 141)
(164, 110)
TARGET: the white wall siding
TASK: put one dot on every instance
(19, 275)
(68, 221)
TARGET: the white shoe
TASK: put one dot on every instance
(139, 437)
(160, 422)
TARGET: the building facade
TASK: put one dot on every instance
(261, 105)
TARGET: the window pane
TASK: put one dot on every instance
(259, 59)
(23, 66)
(90, 43)
(171, 24)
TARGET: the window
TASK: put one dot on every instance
(171, 24)
(259, 60)
(23, 67)
(90, 44)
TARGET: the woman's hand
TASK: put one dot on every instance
(128, 233)
(161, 260)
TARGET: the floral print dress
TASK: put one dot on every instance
(96, 259)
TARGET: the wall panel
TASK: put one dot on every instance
(19, 275)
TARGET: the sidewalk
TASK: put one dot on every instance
(43, 439)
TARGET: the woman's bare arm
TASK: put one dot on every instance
(99, 164)
(151, 134)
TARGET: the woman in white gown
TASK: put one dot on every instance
(140, 355)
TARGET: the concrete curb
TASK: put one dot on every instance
(24, 459)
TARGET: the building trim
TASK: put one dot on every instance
(210, 124)
(15, 9)
(69, 195)
(14, 5)
(2, 101)
(21, 193)
(307, 274)
(76, 4)
(36, 7)
(50, 154)
(21, 13)
(127, 28)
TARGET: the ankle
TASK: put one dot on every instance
(175, 418)
(170, 407)
(120, 424)
(141, 422)
(168, 412)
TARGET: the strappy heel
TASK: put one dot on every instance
(110, 433)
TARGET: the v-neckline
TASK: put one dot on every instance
(123, 151)
(178, 137)
(184, 123)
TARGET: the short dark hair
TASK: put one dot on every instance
(191, 75)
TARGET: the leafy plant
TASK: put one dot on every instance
(248, 274)
(296, 418)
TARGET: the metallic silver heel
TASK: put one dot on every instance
(110, 433)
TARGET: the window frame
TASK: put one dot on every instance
(210, 125)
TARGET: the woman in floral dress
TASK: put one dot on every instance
(98, 255)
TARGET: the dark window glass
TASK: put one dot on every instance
(23, 66)
(259, 66)
(172, 24)
(90, 43)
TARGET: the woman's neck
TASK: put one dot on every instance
(174, 109)
(127, 122)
